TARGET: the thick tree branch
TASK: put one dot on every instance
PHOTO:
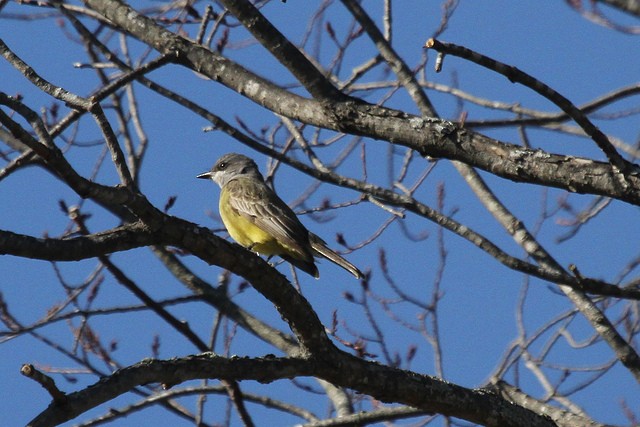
(385, 383)
(169, 372)
(77, 248)
(429, 137)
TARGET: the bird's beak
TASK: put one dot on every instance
(206, 175)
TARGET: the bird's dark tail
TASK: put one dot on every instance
(320, 248)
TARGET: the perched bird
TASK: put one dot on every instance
(260, 221)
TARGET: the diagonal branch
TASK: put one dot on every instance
(623, 350)
(517, 76)
(399, 67)
(76, 102)
(560, 416)
(283, 50)
(217, 298)
(55, 161)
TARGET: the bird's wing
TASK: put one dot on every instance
(260, 205)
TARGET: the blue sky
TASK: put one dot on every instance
(549, 41)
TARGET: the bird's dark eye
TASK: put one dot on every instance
(222, 166)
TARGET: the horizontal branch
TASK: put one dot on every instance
(169, 373)
(387, 384)
(77, 248)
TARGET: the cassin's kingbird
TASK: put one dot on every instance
(259, 220)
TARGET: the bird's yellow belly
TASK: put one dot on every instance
(247, 233)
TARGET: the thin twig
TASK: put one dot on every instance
(45, 381)
(517, 76)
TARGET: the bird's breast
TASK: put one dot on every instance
(245, 232)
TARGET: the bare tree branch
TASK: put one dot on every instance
(428, 394)
(436, 138)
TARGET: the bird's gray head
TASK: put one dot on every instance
(231, 166)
